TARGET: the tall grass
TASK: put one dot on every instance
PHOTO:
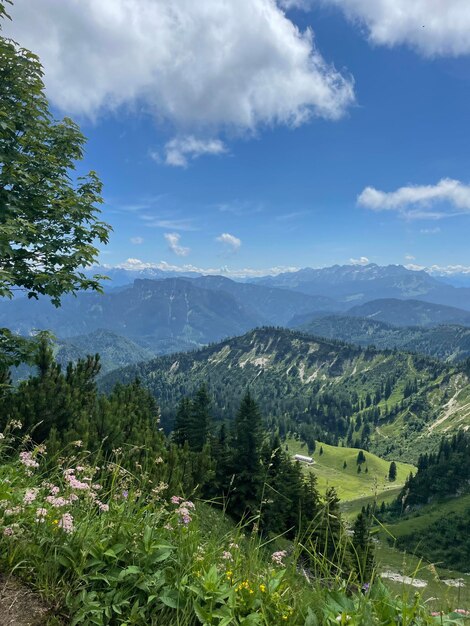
(106, 545)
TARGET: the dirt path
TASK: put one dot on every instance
(19, 606)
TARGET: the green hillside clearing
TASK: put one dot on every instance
(351, 485)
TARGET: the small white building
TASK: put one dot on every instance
(304, 459)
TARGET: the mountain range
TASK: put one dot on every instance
(167, 315)
(356, 284)
(305, 382)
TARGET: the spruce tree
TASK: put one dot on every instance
(183, 416)
(392, 472)
(246, 464)
(200, 420)
(362, 548)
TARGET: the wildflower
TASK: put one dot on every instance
(15, 510)
(8, 531)
(158, 460)
(176, 499)
(66, 523)
(125, 494)
(30, 496)
(54, 490)
(103, 507)
(233, 546)
(229, 574)
(40, 515)
(16, 424)
(57, 503)
(41, 449)
(277, 557)
(26, 459)
(78, 443)
(227, 556)
(262, 588)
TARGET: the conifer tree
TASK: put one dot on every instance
(362, 547)
(392, 472)
(182, 420)
(200, 420)
(246, 464)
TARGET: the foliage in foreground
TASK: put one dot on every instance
(111, 548)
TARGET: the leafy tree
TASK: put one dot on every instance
(49, 221)
(392, 472)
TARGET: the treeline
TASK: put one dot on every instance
(440, 474)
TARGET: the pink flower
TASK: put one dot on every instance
(8, 532)
(30, 496)
(40, 515)
(103, 507)
(57, 502)
(277, 557)
(176, 499)
(66, 523)
(26, 458)
(227, 556)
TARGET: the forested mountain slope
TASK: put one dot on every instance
(393, 402)
(153, 313)
(447, 342)
(410, 313)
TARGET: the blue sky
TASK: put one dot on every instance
(276, 182)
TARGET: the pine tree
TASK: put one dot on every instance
(392, 472)
(246, 464)
(183, 416)
(362, 547)
(200, 420)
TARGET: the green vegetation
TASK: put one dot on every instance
(329, 471)
(449, 342)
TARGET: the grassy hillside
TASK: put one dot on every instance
(351, 486)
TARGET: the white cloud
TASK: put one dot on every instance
(181, 149)
(247, 272)
(410, 257)
(231, 242)
(137, 240)
(440, 270)
(430, 231)
(432, 27)
(447, 198)
(177, 224)
(173, 243)
(363, 260)
(201, 65)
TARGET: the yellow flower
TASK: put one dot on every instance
(251, 591)
(56, 521)
(229, 574)
(262, 588)
(284, 617)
